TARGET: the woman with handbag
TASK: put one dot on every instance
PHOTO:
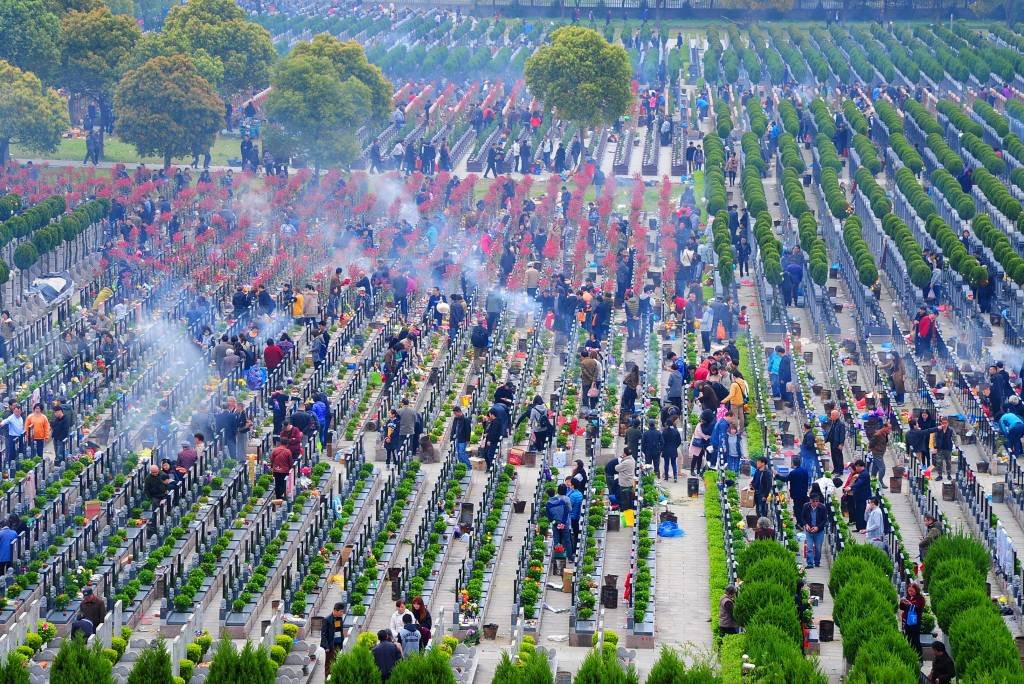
(700, 441)
(911, 609)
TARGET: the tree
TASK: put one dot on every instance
(1009, 9)
(250, 666)
(30, 113)
(153, 666)
(314, 113)
(355, 667)
(95, 49)
(349, 60)
(12, 669)
(160, 44)
(221, 29)
(77, 663)
(29, 36)
(581, 75)
(165, 107)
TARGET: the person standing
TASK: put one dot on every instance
(37, 425)
(7, 537)
(15, 437)
(761, 485)
(943, 668)
(942, 447)
(576, 510)
(726, 622)
(859, 489)
(409, 636)
(407, 424)
(875, 524)
(670, 440)
(280, 465)
(461, 433)
(558, 510)
(625, 473)
(814, 518)
(911, 610)
(386, 653)
(799, 480)
(933, 530)
(332, 636)
(60, 429)
(92, 607)
(492, 437)
(835, 437)
(878, 444)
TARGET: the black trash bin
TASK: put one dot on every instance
(609, 597)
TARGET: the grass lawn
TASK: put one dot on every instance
(73, 149)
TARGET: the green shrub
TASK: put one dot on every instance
(780, 570)
(153, 665)
(955, 546)
(781, 615)
(758, 550)
(185, 669)
(757, 594)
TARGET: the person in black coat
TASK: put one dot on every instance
(860, 492)
(670, 443)
(461, 433)
(493, 435)
(332, 635)
(651, 445)
(761, 485)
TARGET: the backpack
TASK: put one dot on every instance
(479, 337)
(256, 377)
(543, 423)
(410, 641)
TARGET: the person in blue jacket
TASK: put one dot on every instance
(733, 449)
(716, 450)
(859, 489)
(1013, 427)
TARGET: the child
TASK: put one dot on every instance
(733, 449)
(742, 317)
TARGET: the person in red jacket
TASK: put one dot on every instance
(280, 465)
(291, 438)
(272, 354)
(923, 329)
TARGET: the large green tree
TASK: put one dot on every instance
(29, 37)
(349, 60)
(31, 114)
(220, 29)
(166, 108)
(581, 75)
(95, 49)
(313, 113)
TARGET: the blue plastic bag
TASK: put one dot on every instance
(669, 529)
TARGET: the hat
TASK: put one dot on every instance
(87, 591)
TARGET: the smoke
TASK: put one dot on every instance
(1012, 358)
(390, 191)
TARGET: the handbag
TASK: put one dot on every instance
(912, 618)
(593, 392)
(720, 332)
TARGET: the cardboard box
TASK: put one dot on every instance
(478, 463)
(567, 581)
(746, 498)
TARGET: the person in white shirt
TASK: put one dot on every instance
(396, 618)
(15, 424)
(875, 532)
(825, 487)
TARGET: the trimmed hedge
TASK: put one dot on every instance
(770, 246)
(906, 152)
(875, 193)
(956, 569)
(863, 259)
(828, 156)
(888, 115)
(753, 190)
(9, 205)
(950, 188)
(758, 119)
(793, 191)
(956, 116)
(752, 151)
(984, 153)
(823, 118)
(835, 198)
(949, 159)
(962, 262)
(714, 174)
(906, 181)
(854, 117)
(723, 118)
(723, 247)
(789, 153)
(993, 118)
(910, 250)
(790, 119)
(996, 240)
(1014, 147)
(865, 605)
(867, 153)
(998, 195)
(812, 243)
(922, 117)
